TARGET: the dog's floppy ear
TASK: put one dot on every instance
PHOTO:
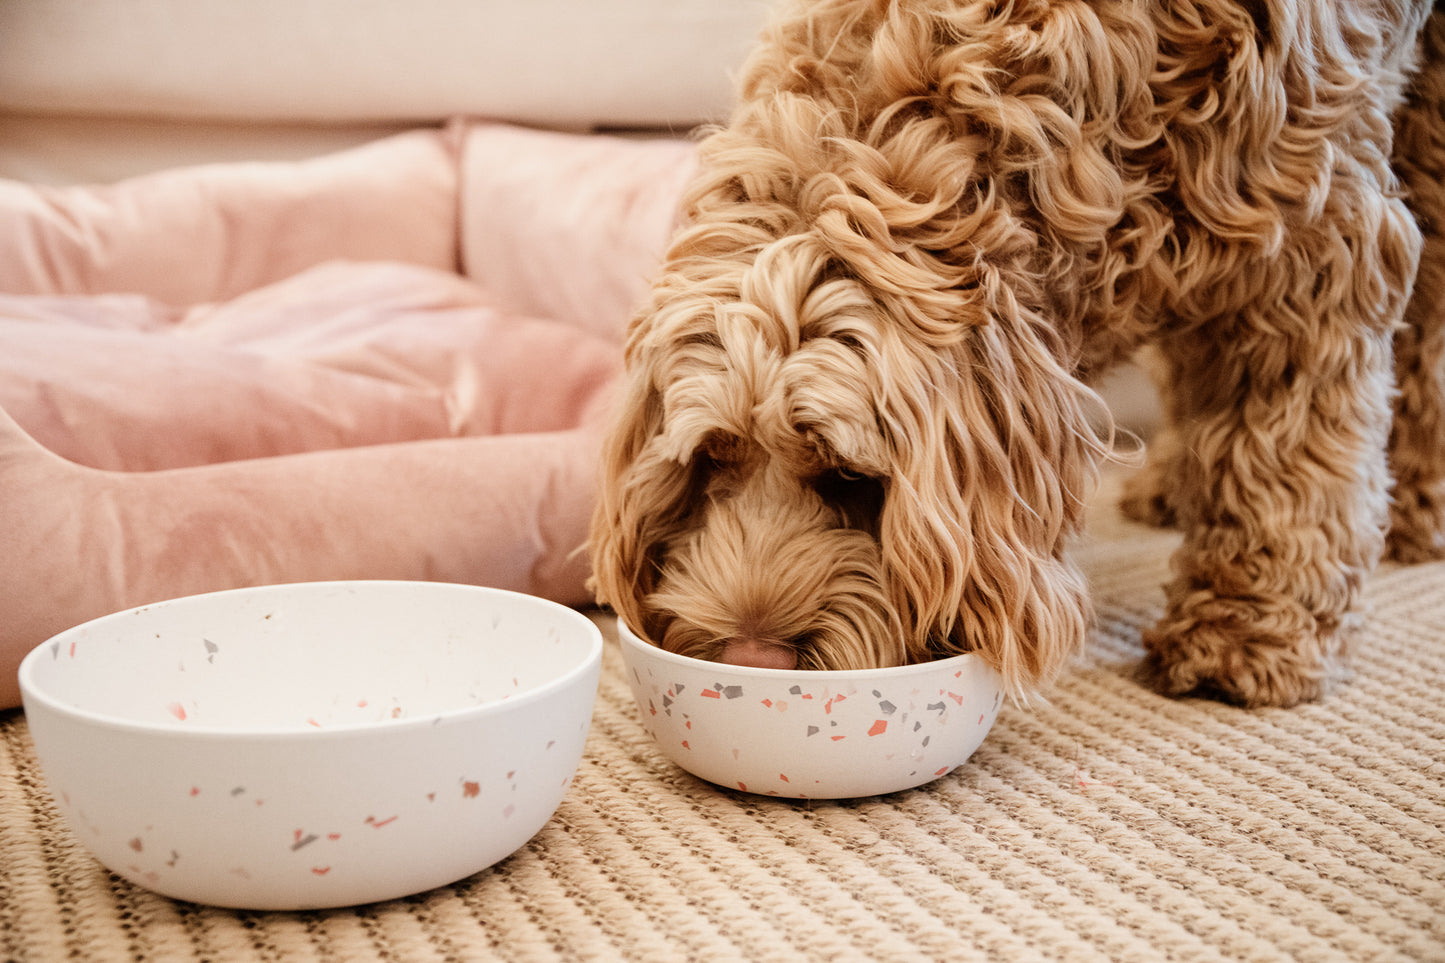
(993, 450)
(630, 517)
(650, 473)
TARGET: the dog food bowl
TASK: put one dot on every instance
(812, 734)
(313, 745)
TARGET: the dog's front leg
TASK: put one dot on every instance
(1417, 440)
(1283, 483)
(1282, 507)
(1148, 494)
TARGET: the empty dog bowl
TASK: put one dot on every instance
(809, 733)
(313, 745)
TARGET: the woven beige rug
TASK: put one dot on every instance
(1113, 825)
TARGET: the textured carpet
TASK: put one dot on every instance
(1111, 825)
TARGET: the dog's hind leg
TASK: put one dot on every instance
(1417, 441)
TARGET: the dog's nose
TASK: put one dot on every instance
(762, 653)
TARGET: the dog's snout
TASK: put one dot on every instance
(762, 653)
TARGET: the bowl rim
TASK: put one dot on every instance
(633, 640)
(30, 692)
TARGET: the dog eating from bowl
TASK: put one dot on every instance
(858, 426)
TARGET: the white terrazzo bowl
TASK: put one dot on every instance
(812, 734)
(313, 745)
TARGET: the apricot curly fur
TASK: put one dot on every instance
(858, 427)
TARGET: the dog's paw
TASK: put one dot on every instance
(1144, 498)
(1236, 656)
(1417, 527)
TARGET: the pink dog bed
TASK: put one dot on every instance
(384, 363)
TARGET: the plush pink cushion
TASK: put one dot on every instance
(241, 374)
(214, 232)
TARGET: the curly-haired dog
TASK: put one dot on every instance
(858, 429)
